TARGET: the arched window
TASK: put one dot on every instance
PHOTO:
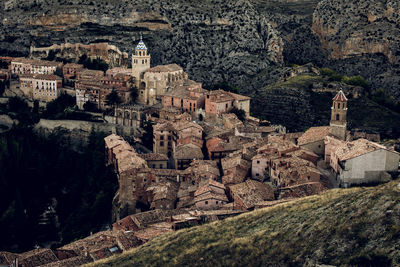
(140, 53)
(338, 105)
(337, 117)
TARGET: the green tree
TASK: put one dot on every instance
(113, 98)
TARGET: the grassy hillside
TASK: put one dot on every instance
(358, 226)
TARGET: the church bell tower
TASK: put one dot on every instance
(338, 125)
(140, 62)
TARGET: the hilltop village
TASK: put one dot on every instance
(210, 159)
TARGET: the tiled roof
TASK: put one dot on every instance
(209, 187)
(165, 68)
(141, 45)
(211, 195)
(113, 140)
(36, 257)
(189, 151)
(73, 65)
(7, 258)
(47, 77)
(340, 97)
(313, 134)
(182, 125)
(252, 192)
(70, 262)
(357, 148)
(153, 156)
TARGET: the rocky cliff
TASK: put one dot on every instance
(244, 43)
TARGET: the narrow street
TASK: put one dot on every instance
(321, 165)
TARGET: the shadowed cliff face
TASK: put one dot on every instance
(362, 37)
(243, 43)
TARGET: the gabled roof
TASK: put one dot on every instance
(165, 68)
(252, 192)
(189, 151)
(357, 148)
(340, 97)
(314, 134)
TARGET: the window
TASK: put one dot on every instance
(162, 137)
(161, 166)
(226, 105)
(169, 137)
(337, 117)
(257, 174)
(161, 143)
(338, 105)
(258, 162)
(206, 202)
(216, 202)
(154, 165)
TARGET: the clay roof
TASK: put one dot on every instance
(211, 195)
(149, 217)
(302, 190)
(153, 156)
(239, 97)
(164, 191)
(37, 257)
(7, 258)
(128, 160)
(70, 262)
(252, 192)
(182, 125)
(165, 68)
(47, 77)
(357, 148)
(183, 89)
(221, 96)
(164, 126)
(113, 140)
(340, 97)
(189, 151)
(73, 65)
(209, 187)
(313, 134)
(235, 161)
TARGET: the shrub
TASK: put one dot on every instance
(356, 81)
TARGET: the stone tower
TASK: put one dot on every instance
(140, 63)
(338, 125)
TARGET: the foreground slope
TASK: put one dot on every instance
(358, 226)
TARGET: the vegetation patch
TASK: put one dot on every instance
(339, 227)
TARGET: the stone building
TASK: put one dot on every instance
(158, 80)
(362, 161)
(33, 66)
(42, 87)
(248, 194)
(313, 139)
(210, 196)
(155, 161)
(70, 69)
(185, 154)
(130, 115)
(188, 96)
(338, 124)
(163, 142)
(219, 101)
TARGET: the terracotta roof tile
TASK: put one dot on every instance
(314, 134)
(340, 97)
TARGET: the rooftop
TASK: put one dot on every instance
(47, 77)
(252, 192)
(340, 97)
(153, 156)
(357, 148)
(189, 151)
(165, 68)
(313, 134)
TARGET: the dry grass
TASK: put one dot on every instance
(340, 227)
